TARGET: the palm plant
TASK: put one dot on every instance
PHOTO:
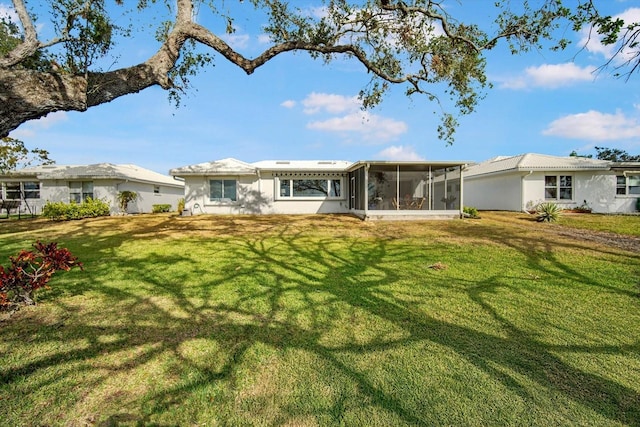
(548, 212)
(125, 197)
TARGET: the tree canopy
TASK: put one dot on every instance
(413, 43)
(14, 155)
(615, 155)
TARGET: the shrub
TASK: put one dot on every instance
(165, 207)
(125, 197)
(180, 205)
(470, 211)
(584, 207)
(32, 270)
(66, 211)
(548, 212)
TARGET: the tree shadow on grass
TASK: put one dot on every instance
(287, 291)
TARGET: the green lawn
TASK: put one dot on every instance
(323, 320)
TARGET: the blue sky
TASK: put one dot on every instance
(299, 109)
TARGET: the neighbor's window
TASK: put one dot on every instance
(13, 190)
(156, 189)
(558, 187)
(627, 185)
(223, 190)
(31, 189)
(80, 191)
(310, 188)
(19, 190)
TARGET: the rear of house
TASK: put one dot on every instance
(36, 186)
(519, 183)
(368, 189)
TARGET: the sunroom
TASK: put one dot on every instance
(406, 190)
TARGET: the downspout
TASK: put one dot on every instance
(522, 202)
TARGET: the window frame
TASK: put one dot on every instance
(20, 187)
(223, 199)
(558, 188)
(628, 185)
(83, 195)
(285, 188)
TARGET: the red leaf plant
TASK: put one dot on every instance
(32, 270)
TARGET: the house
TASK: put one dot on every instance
(368, 189)
(56, 183)
(518, 183)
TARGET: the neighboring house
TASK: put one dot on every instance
(37, 185)
(520, 182)
(368, 189)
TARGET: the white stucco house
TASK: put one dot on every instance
(35, 186)
(368, 189)
(517, 183)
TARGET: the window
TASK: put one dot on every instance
(80, 191)
(19, 190)
(223, 190)
(156, 189)
(558, 187)
(13, 190)
(310, 188)
(31, 190)
(627, 185)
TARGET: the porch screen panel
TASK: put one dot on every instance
(383, 184)
(356, 191)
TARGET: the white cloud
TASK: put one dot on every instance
(399, 153)
(592, 41)
(330, 103)
(549, 76)
(344, 115)
(264, 39)
(595, 126)
(237, 41)
(369, 128)
(7, 11)
(31, 128)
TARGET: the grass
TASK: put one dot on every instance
(323, 320)
(620, 224)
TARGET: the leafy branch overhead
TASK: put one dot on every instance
(416, 44)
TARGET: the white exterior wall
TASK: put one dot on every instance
(519, 191)
(598, 189)
(107, 190)
(502, 193)
(250, 199)
(146, 196)
(255, 196)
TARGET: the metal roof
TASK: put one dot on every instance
(96, 171)
(303, 165)
(531, 161)
(228, 166)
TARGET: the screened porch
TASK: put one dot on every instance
(406, 189)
